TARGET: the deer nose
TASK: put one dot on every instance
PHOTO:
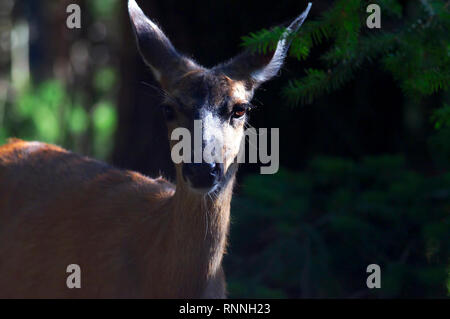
(203, 175)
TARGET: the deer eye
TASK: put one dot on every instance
(239, 111)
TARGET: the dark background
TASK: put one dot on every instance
(360, 154)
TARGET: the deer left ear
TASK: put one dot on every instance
(256, 68)
(156, 49)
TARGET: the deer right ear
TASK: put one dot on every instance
(256, 68)
(156, 49)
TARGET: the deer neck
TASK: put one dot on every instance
(202, 222)
(195, 232)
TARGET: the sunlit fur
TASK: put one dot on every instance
(131, 235)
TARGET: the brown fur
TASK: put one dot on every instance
(131, 235)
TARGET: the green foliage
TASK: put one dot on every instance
(441, 117)
(50, 113)
(77, 112)
(41, 108)
(313, 234)
(439, 145)
(103, 8)
(105, 80)
(391, 8)
(264, 40)
(104, 119)
(415, 52)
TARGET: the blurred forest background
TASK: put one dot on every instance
(364, 118)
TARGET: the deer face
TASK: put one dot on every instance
(212, 104)
(214, 109)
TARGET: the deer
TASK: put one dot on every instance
(133, 236)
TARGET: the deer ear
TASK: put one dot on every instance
(257, 68)
(156, 49)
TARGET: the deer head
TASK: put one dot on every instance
(218, 98)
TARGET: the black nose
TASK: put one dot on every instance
(203, 175)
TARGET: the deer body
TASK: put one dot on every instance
(133, 236)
